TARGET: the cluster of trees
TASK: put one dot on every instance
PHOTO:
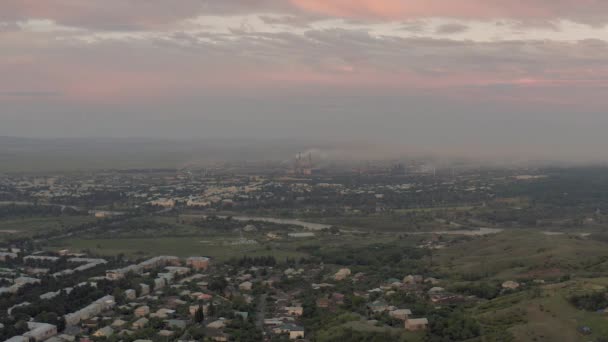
(23, 211)
(452, 325)
(371, 255)
(481, 290)
(64, 303)
(591, 301)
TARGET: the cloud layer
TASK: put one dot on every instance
(515, 68)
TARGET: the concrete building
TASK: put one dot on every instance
(6, 255)
(93, 309)
(156, 262)
(40, 258)
(163, 202)
(40, 331)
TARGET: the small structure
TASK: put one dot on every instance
(219, 324)
(436, 290)
(378, 306)
(295, 310)
(416, 324)
(342, 274)
(130, 294)
(142, 311)
(401, 314)
(144, 289)
(246, 286)
(104, 332)
(119, 323)
(295, 331)
(413, 279)
(510, 285)
(140, 323)
(6, 255)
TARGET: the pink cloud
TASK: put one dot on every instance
(112, 14)
(478, 9)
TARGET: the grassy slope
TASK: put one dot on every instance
(547, 317)
(519, 253)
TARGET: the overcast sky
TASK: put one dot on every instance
(494, 76)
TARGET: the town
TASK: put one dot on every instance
(387, 253)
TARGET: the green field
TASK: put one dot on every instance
(182, 247)
(22, 227)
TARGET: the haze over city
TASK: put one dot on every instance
(472, 78)
(303, 170)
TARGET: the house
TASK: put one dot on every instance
(140, 323)
(295, 331)
(198, 263)
(130, 294)
(163, 313)
(401, 314)
(246, 286)
(432, 281)
(104, 332)
(159, 283)
(436, 290)
(216, 335)
(510, 285)
(337, 298)
(118, 323)
(244, 315)
(416, 324)
(175, 323)
(26, 280)
(165, 333)
(144, 289)
(378, 306)
(6, 255)
(323, 303)
(413, 279)
(193, 308)
(142, 311)
(342, 274)
(178, 270)
(219, 324)
(294, 310)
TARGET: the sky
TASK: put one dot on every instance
(492, 77)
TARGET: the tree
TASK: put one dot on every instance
(199, 315)
(211, 309)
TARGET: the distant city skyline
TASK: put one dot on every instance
(487, 77)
